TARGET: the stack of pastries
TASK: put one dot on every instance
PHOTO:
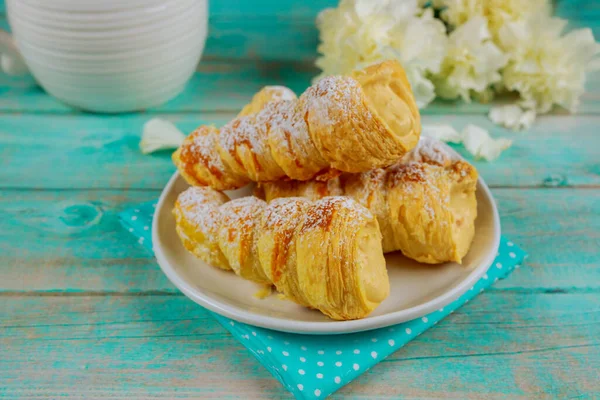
(342, 178)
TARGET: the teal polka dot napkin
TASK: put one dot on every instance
(313, 367)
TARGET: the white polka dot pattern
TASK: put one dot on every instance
(316, 366)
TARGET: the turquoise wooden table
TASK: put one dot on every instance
(86, 312)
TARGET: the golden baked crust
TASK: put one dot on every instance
(363, 121)
(197, 217)
(200, 164)
(425, 204)
(325, 254)
(267, 95)
(244, 147)
(290, 141)
(347, 123)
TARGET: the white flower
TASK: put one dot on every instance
(545, 67)
(512, 117)
(497, 12)
(478, 142)
(159, 134)
(359, 33)
(457, 12)
(472, 62)
(475, 139)
(420, 41)
(397, 10)
(356, 31)
(422, 87)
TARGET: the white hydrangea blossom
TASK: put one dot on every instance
(497, 12)
(472, 62)
(362, 32)
(546, 68)
(494, 45)
(457, 12)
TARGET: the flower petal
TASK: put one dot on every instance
(160, 134)
(512, 117)
(444, 133)
(478, 142)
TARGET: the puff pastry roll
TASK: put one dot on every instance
(323, 254)
(347, 123)
(425, 204)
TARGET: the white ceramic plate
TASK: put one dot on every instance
(416, 289)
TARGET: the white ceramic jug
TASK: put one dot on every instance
(108, 55)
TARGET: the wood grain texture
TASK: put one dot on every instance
(87, 151)
(81, 247)
(226, 86)
(85, 311)
(165, 346)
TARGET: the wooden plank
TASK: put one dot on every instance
(73, 237)
(167, 346)
(87, 151)
(226, 86)
(72, 241)
(552, 153)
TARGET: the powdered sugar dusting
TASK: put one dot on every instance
(243, 210)
(321, 213)
(317, 190)
(277, 92)
(200, 206)
(242, 131)
(431, 151)
(201, 149)
(288, 118)
(427, 177)
(281, 217)
(368, 183)
(281, 210)
(290, 140)
(332, 100)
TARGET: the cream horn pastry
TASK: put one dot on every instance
(353, 123)
(324, 254)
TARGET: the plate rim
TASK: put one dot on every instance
(328, 327)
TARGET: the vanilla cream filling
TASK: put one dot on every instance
(389, 96)
(371, 264)
(464, 209)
